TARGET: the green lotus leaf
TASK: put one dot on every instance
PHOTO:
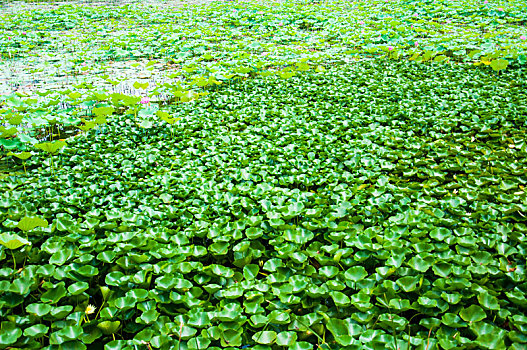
(258, 320)
(221, 271)
(54, 294)
(341, 331)
(36, 331)
(149, 316)
(427, 302)
(442, 269)
(452, 299)
(419, 264)
(302, 345)
(219, 248)
(340, 299)
(473, 313)
(488, 301)
(355, 273)
(231, 337)
(212, 288)
(453, 320)
(298, 236)
(65, 223)
(10, 333)
(87, 271)
(147, 124)
(21, 286)
(198, 343)
(392, 321)
(107, 256)
(199, 319)
(286, 338)
(61, 311)
(250, 271)
(38, 309)
(7, 133)
(70, 332)
(166, 282)
(60, 257)
(408, 283)
(400, 304)
(124, 302)
(482, 258)
(328, 271)
(254, 232)
(345, 179)
(109, 327)
(138, 294)
(272, 265)
(279, 317)
(265, 337)
(491, 341)
(115, 345)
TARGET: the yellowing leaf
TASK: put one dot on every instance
(12, 240)
(21, 155)
(499, 64)
(103, 111)
(27, 223)
(50, 147)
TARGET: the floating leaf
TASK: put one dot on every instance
(109, 327)
(355, 273)
(36, 331)
(473, 313)
(286, 338)
(265, 337)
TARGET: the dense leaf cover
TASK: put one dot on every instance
(301, 175)
(380, 206)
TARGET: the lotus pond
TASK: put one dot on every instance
(263, 175)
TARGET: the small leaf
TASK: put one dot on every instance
(419, 264)
(265, 337)
(286, 338)
(488, 301)
(147, 124)
(109, 327)
(340, 299)
(53, 295)
(408, 283)
(355, 273)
